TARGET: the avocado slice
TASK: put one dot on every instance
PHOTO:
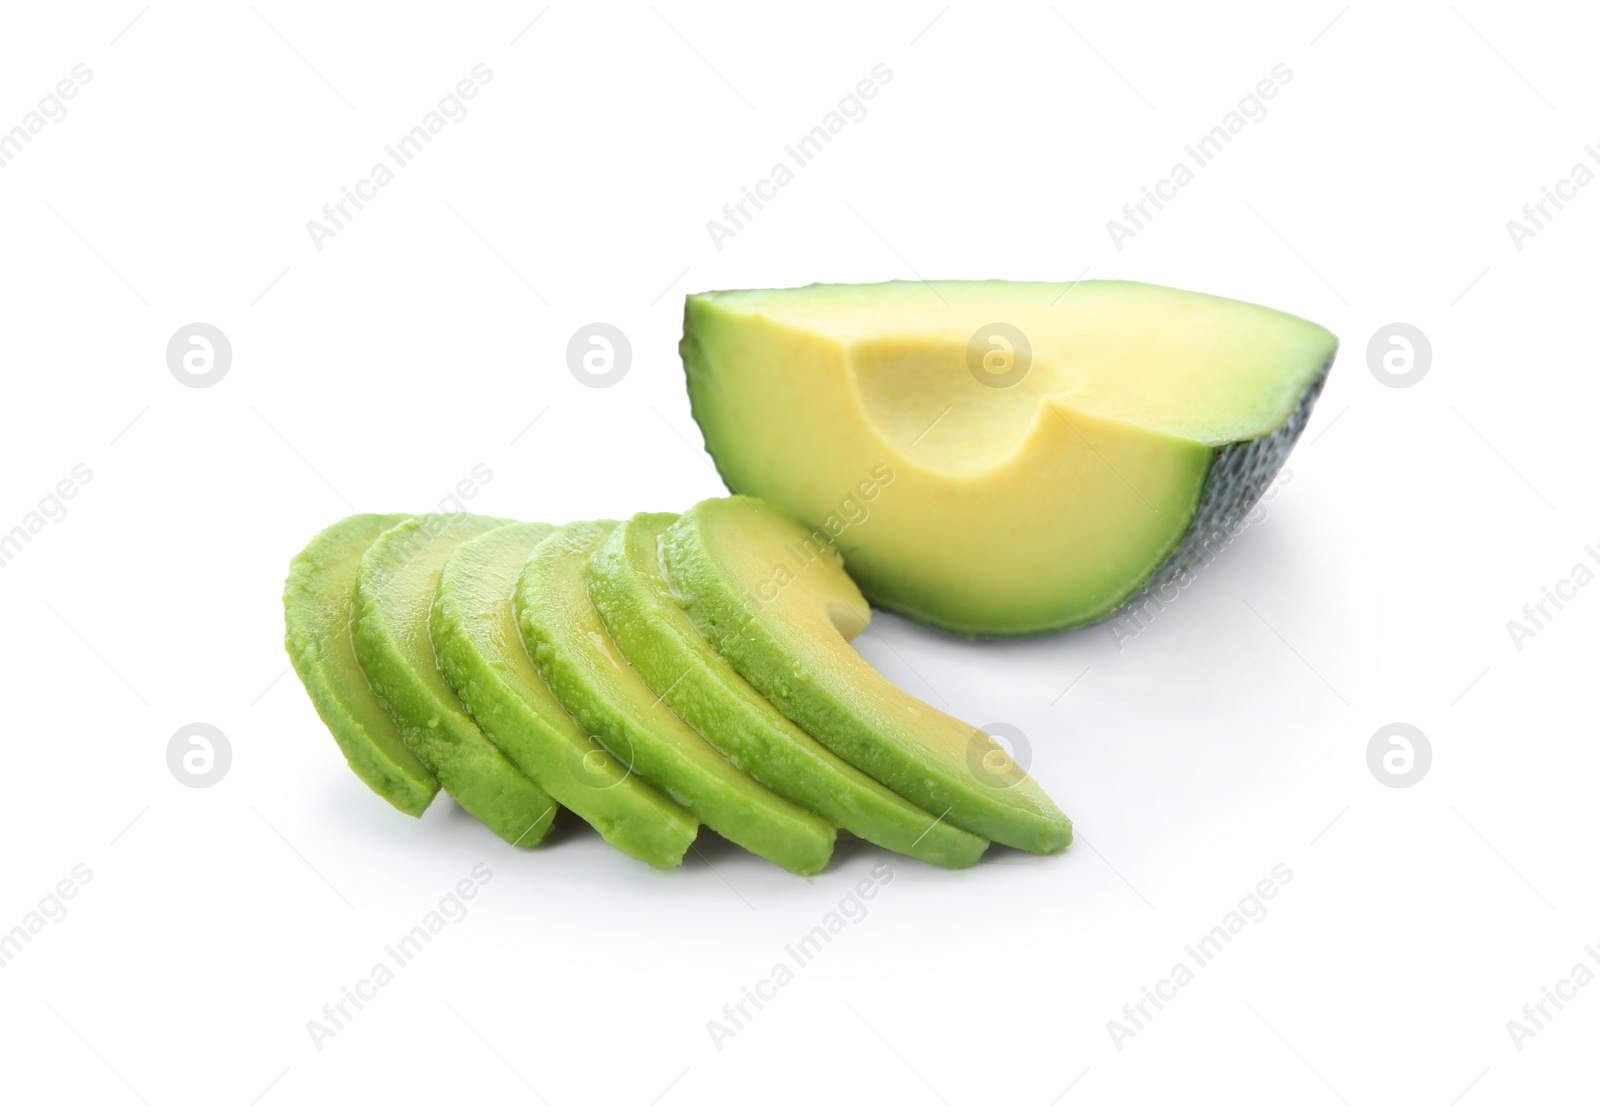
(567, 640)
(777, 603)
(629, 589)
(1003, 458)
(480, 652)
(395, 586)
(316, 616)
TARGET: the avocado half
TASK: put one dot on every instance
(1003, 458)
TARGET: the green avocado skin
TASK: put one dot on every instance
(568, 642)
(1240, 474)
(479, 649)
(629, 589)
(866, 735)
(317, 599)
(395, 588)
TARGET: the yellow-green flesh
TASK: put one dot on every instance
(317, 598)
(481, 654)
(629, 589)
(1011, 509)
(576, 656)
(776, 602)
(395, 589)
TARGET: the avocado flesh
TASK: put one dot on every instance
(568, 642)
(629, 589)
(480, 652)
(1008, 510)
(395, 588)
(776, 602)
(317, 599)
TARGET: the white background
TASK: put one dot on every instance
(429, 333)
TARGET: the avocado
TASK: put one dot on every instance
(567, 640)
(480, 652)
(776, 602)
(316, 618)
(628, 588)
(1003, 458)
(395, 586)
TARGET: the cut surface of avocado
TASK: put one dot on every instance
(1002, 458)
(575, 655)
(479, 649)
(395, 588)
(317, 600)
(774, 599)
(661, 642)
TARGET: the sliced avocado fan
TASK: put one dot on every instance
(395, 588)
(481, 654)
(317, 598)
(774, 599)
(568, 642)
(628, 588)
